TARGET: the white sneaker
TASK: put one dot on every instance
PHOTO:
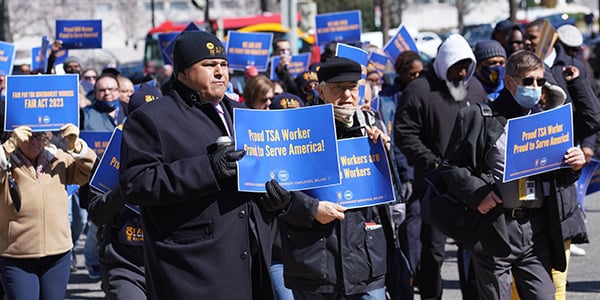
(576, 251)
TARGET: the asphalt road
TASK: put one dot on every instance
(583, 276)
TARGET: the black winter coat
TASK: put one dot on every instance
(199, 232)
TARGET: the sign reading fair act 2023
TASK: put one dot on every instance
(42, 102)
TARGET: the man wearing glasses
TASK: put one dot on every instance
(330, 252)
(473, 170)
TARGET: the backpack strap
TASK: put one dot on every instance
(486, 110)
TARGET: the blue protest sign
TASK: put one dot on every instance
(375, 104)
(79, 34)
(387, 110)
(298, 64)
(286, 145)
(60, 56)
(401, 42)
(149, 82)
(584, 182)
(537, 143)
(167, 52)
(366, 177)
(343, 26)
(594, 182)
(44, 103)
(379, 61)
(106, 176)
(360, 56)
(44, 53)
(36, 58)
(248, 49)
(96, 140)
(7, 56)
(164, 40)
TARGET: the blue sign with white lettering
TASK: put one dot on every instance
(366, 177)
(106, 176)
(7, 56)
(79, 34)
(286, 145)
(537, 143)
(343, 26)
(96, 140)
(248, 49)
(401, 42)
(297, 65)
(42, 102)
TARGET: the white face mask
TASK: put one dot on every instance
(458, 92)
(344, 114)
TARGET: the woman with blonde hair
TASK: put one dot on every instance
(258, 92)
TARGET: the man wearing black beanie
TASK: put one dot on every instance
(202, 238)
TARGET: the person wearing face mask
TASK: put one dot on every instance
(490, 69)
(530, 231)
(422, 125)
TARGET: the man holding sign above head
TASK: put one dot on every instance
(202, 238)
(330, 252)
(526, 240)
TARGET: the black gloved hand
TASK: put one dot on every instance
(223, 162)
(276, 199)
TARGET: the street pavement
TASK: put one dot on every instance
(583, 276)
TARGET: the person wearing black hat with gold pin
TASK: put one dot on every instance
(330, 252)
(202, 238)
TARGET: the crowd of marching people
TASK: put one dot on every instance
(177, 226)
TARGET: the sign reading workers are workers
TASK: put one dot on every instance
(366, 176)
(248, 49)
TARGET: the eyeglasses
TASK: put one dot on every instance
(284, 51)
(341, 88)
(265, 100)
(527, 81)
(107, 90)
(516, 42)
(89, 77)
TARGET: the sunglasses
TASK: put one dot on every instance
(89, 77)
(527, 81)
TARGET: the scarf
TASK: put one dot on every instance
(344, 114)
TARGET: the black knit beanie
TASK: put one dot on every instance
(194, 46)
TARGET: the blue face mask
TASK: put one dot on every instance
(106, 106)
(528, 96)
(493, 74)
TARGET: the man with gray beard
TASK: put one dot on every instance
(422, 128)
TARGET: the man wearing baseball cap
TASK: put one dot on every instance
(202, 238)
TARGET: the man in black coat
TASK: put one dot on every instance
(422, 127)
(529, 229)
(202, 238)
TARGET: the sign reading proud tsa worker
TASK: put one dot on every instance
(366, 177)
(288, 145)
(537, 143)
(248, 49)
(106, 176)
(343, 26)
(401, 42)
(79, 34)
(7, 55)
(298, 64)
(44, 103)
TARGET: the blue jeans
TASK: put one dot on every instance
(281, 292)
(37, 278)
(77, 217)
(378, 294)
(90, 249)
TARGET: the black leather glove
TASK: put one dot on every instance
(223, 162)
(276, 199)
